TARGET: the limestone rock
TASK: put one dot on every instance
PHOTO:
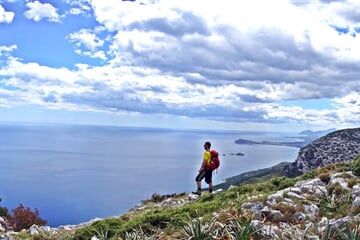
(338, 146)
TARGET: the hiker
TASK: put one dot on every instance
(205, 171)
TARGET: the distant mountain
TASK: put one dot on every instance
(317, 133)
(289, 144)
(309, 134)
(306, 136)
(339, 146)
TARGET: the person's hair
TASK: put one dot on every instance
(208, 144)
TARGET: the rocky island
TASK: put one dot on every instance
(306, 137)
(288, 144)
(237, 154)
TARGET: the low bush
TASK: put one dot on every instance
(50, 235)
(325, 177)
(23, 218)
(106, 228)
(352, 182)
(3, 211)
(284, 182)
(355, 166)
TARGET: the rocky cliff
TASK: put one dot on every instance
(339, 146)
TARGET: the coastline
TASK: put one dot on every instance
(297, 144)
(75, 154)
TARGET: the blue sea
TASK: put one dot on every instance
(74, 173)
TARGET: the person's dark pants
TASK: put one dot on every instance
(207, 174)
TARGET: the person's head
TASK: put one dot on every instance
(207, 145)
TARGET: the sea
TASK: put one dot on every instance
(75, 173)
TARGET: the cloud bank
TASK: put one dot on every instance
(233, 61)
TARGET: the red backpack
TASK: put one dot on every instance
(215, 161)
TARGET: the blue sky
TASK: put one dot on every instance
(244, 65)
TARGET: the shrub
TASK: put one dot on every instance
(287, 182)
(156, 197)
(355, 166)
(23, 218)
(3, 211)
(49, 235)
(349, 232)
(355, 211)
(325, 177)
(138, 234)
(352, 182)
(288, 212)
(240, 231)
(277, 181)
(336, 189)
(197, 229)
(335, 205)
(310, 174)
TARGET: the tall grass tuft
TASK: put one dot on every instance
(198, 229)
(138, 234)
(237, 231)
(349, 233)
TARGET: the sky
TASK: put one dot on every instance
(232, 64)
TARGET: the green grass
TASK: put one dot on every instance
(220, 216)
(197, 218)
(171, 219)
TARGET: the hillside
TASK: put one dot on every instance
(325, 201)
(338, 146)
(281, 202)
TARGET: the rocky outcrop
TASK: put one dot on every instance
(338, 146)
(290, 213)
(299, 205)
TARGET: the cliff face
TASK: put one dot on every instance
(338, 146)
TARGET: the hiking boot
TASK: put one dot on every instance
(198, 192)
(210, 190)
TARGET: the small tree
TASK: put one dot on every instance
(3, 210)
(355, 166)
(23, 218)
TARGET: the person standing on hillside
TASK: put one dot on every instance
(205, 171)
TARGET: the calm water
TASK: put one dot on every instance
(75, 173)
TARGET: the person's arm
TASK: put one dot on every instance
(205, 160)
(202, 166)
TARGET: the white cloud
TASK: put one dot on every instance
(275, 50)
(6, 17)
(78, 7)
(86, 38)
(76, 11)
(348, 107)
(116, 15)
(99, 54)
(5, 50)
(208, 60)
(88, 43)
(38, 11)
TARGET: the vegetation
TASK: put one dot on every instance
(3, 211)
(51, 235)
(23, 218)
(355, 166)
(221, 216)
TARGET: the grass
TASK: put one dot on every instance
(197, 218)
(220, 216)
